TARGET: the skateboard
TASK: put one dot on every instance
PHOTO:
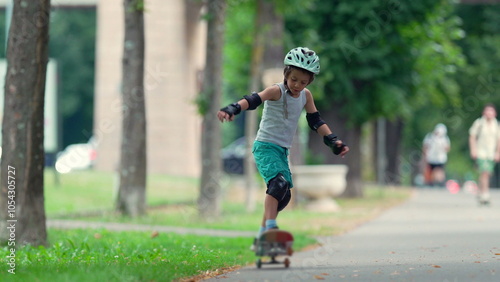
(274, 243)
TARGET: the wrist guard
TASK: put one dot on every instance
(232, 109)
(331, 141)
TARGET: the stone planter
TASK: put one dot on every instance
(319, 184)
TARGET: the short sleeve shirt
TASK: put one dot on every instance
(437, 148)
(487, 135)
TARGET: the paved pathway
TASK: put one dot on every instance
(436, 236)
(112, 226)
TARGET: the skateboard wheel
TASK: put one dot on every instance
(289, 251)
(287, 262)
(259, 263)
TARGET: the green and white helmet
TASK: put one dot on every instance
(304, 58)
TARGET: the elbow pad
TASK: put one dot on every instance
(314, 120)
(253, 101)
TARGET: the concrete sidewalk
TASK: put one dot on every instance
(436, 236)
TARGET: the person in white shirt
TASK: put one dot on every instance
(436, 148)
(484, 144)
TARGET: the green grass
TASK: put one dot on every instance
(100, 255)
(173, 203)
(78, 192)
(234, 216)
(90, 191)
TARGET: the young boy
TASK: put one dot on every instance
(283, 104)
(484, 144)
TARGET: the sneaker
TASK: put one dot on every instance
(253, 247)
(484, 198)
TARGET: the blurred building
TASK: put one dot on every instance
(175, 55)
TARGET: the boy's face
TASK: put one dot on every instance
(489, 113)
(297, 80)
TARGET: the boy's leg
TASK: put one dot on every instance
(262, 228)
(270, 212)
(484, 185)
(270, 207)
(485, 170)
(277, 191)
(267, 219)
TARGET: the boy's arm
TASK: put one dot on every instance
(249, 102)
(317, 124)
(472, 146)
(497, 152)
(473, 140)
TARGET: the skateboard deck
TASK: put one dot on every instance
(274, 243)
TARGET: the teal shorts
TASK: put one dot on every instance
(271, 159)
(485, 165)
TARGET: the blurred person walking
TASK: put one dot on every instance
(436, 147)
(484, 144)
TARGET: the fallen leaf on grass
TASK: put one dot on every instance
(210, 274)
(155, 234)
(97, 236)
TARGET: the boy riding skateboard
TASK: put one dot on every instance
(283, 104)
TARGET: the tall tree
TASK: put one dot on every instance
(267, 53)
(131, 199)
(22, 201)
(209, 103)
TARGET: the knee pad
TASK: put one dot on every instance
(278, 187)
(283, 203)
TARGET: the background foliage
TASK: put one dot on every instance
(428, 62)
(72, 45)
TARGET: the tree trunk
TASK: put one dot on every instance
(351, 136)
(251, 116)
(132, 186)
(209, 205)
(22, 201)
(267, 40)
(394, 131)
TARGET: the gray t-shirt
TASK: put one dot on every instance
(280, 118)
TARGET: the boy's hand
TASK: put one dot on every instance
(336, 145)
(227, 113)
(223, 116)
